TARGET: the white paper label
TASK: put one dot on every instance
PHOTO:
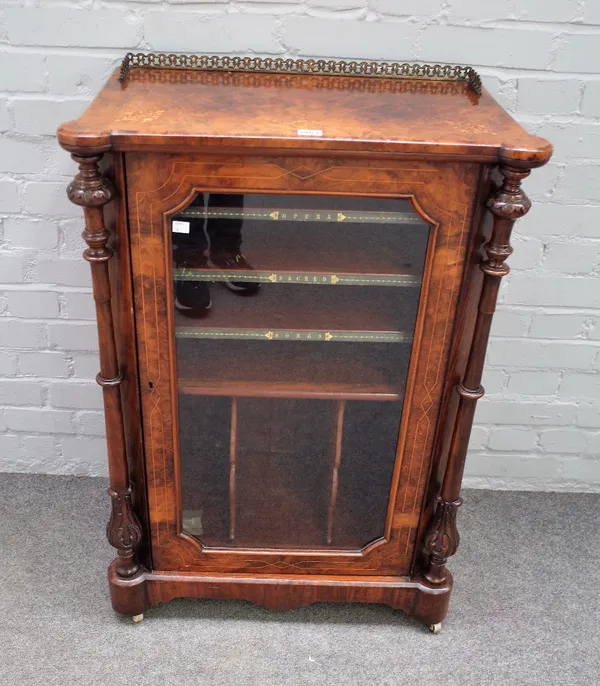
(180, 227)
(310, 132)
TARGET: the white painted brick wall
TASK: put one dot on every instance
(539, 425)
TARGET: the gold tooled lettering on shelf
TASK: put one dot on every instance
(296, 214)
(299, 335)
(187, 274)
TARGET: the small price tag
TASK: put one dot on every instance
(310, 132)
(180, 227)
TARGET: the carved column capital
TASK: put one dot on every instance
(509, 201)
(92, 191)
(89, 188)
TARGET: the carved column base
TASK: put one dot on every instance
(442, 540)
(124, 532)
(128, 596)
(432, 607)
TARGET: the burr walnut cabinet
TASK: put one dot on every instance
(295, 267)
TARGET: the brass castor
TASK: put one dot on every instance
(138, 618)
(435, 628)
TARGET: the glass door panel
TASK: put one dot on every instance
(294, 321)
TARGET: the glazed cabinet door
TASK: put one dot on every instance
(294, 320)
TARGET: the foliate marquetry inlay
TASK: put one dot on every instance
(123, 531)
(442, 539)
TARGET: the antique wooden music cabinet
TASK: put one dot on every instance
(295, 266)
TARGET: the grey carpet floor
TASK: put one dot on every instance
(525, 610)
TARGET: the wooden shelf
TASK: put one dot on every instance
(304, 278)
(325, 391)
(315, 250)
(295, 214)
(294, 307)
(298, 335)
(351, 371)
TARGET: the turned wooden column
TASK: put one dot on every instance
(92, 191)
(507, 203)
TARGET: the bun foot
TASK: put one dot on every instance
(138, 618)
(435, 628)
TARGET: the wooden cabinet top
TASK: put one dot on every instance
(185, 109)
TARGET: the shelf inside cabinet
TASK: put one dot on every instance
(294, 369)
(307, 252)
(325, 391)
(327, 310)
(305, 278)
(301, 215)
(285, 335)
